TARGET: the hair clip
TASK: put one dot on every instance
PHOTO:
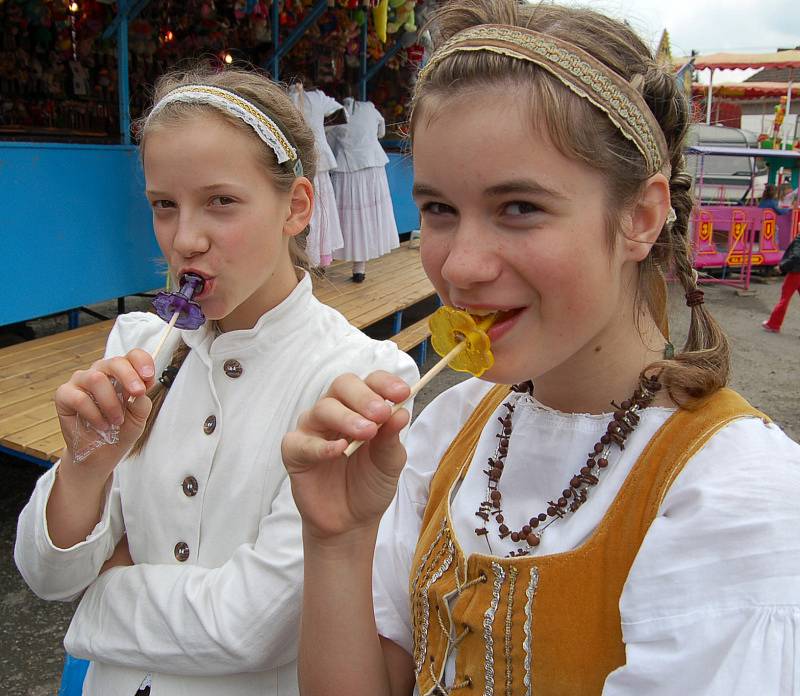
(168, 376)
(297, 167)
(671, 216)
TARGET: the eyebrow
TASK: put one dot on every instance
(210, 187)
(526, 186)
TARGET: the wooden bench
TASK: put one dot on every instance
(417, 334)
(30, 372)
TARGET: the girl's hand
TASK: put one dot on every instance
(90, 395)
(335, 494)
(120, 557)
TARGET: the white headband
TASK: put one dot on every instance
(232, 103)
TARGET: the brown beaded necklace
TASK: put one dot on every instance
(623, 423)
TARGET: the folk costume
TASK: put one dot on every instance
(652, 550)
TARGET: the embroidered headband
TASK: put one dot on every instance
(232, 103)
(579, 71)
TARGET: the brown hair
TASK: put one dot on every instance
(274, 101)
(580, 132)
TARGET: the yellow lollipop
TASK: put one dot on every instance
(451, 327)
(463, 344)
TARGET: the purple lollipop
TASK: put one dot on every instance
(190, 316)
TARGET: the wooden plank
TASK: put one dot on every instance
(42, 346)
(62, 368)
(413, 335)
(48, 448)
(15, 423)
(37, 432)
(35, 362)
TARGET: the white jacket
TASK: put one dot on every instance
(224, 621)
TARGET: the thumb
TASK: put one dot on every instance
(385, 450)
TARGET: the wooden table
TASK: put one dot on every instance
(30, 372)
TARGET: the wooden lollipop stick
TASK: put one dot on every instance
(429, 375)
(161, 341)
(164, 334)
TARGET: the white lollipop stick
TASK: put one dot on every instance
(429, 375)
(164, 334)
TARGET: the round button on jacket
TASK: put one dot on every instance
(190, 486)
(182, 551)
(233, 368)
(210, 425)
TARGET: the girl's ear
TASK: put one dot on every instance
(301, 205)
(647, 218)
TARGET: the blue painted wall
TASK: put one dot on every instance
(401, 178)
(75, 228)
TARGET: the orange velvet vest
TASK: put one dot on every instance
(541, 625)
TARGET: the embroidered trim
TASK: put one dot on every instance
(488, 621)
(533, 584)
(424, 624)
(424, 560)
(512, 581)
(264, 127)
(577, 70)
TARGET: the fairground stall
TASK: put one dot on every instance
(731, 237)
(74, 74)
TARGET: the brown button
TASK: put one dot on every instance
(182, 551)
(190, 486)
(209, 425)
(233, 368)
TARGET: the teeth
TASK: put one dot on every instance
(482, 312)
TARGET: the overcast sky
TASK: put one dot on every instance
(709, 26)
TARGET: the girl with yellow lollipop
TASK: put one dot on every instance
(597, 513)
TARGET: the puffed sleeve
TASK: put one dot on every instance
(429, 437)
(712, 603)
(62, 574)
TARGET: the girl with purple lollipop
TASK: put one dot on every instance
(183, 538)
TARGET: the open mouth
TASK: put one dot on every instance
(200, 284)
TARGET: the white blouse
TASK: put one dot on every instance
(356, 143)
(711, 605)
(226, 620)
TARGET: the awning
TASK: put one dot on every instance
(742, 61)
(740, 152)
(743, 90)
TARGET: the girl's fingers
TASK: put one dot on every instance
(301, 450)
(332, 419)
(385, 449)
(143, 364)
(368, 397)
(71, 401)
(98, 387)
(126, 373)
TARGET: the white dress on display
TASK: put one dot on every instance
(325, 234)
(360, 184)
